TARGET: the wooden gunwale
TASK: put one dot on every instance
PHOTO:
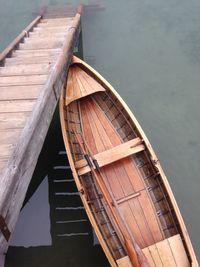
(150, 152)
(79, 185)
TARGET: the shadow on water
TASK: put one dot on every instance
(73, 241)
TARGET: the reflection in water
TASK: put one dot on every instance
(73, 240)
(34, 218)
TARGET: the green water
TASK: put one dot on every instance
(150, 52)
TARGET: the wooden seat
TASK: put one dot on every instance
(111, 155)
(169, 252)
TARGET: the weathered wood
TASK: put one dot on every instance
(6, 150)
(29, 60)
(36, 53)
(43, 40)
(22, 162)
(57, 23)
(20, 92)
(41, 44)
(12, 120)
(16, 105)
(23, 80)
(38, 34)
(21, 69)
(52, 29)
(18, 39)
(9, 137)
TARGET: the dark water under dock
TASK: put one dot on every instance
(150, 52)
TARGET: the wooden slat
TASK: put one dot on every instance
(23, 80)
(149, 257)
(3, 162)
(150, 215)
(178, 250)
(81, 87)
(9, 136)
(38, 34)
(23, 160)
(169, 252)
(18, 39)
(6, 150)
(21, 69)
(166, 254)
(124, 262)
(59, 24)
(52, 29)
(41, 44)
(13, 120)
(16, 106)
(20, 92)
(56, 21)
(155, 255)
(36, 53)
(124, 199)
(44, 40)
(114, 154)
(29, 60)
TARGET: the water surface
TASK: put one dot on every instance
(150, 52)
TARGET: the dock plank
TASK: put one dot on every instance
(6, 150)
(20, 92)
(41, 45)
(9, 136)
(13, 120)
(16, 177)
(39, 52)
(16, 105)
(23, 80)
(30, 60)
(21, 69)
(39, 34)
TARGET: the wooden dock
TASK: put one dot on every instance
(32, 73)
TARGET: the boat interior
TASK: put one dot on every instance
(104, 125)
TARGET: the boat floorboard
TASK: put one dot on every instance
(138, 211)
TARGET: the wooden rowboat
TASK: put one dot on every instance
(123, 188)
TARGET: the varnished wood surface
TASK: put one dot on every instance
(121, 177)
(80, 85)
(138, 183)
(114, 154)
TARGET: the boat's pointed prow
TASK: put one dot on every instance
(80, 84)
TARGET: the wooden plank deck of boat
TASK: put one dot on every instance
(32, 72)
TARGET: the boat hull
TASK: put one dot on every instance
(128, 168)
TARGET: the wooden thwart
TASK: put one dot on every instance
(169, 252)
(114, 154)
(124, 262)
